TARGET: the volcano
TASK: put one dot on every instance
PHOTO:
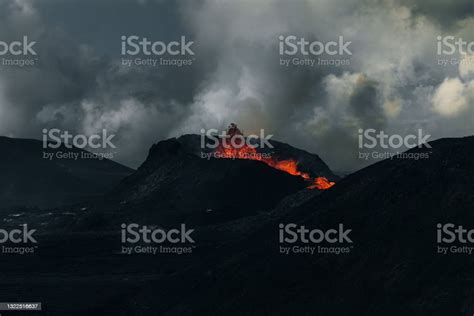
(175, 183)
(233, 145)
(392, 209)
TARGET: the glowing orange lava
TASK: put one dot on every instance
(290, 166)
(321, 183)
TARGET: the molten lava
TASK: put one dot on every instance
(290, 166)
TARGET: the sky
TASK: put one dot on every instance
(393, 80)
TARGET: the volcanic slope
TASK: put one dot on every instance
(28, 179)
(392, 266)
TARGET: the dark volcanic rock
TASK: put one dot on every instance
(29, 180)
(307, 162)
(177, 185)
(393, 267)
(236, 267)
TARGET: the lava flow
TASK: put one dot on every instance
(290, 166)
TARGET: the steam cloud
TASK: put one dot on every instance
(393, 82)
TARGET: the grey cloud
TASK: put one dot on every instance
(80, 85)
(445, 12)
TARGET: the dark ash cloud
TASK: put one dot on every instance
(393, 82)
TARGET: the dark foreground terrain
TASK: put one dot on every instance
(30, 179)
(236, 266)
